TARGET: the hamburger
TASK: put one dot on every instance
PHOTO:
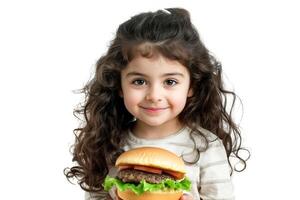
(149, 173)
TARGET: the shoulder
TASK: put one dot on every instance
(210, 146)
(214, 151)
(211, 137)
(206, 139)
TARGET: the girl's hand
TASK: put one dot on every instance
(186, 197)
(117, 197)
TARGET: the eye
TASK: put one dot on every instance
(138, 82)
(171, 82)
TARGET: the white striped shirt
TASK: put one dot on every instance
(210, 175)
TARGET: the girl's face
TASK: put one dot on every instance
(155, 90)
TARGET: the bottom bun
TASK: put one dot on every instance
(158, 195)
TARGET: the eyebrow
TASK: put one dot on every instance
(164, 75)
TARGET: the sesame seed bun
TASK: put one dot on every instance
(152, 157)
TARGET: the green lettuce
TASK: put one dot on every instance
(143, 186)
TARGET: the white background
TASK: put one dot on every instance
(49, 48)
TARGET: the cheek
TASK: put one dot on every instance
(131, 98)
(178, 101)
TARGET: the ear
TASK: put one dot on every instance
(190, 93)
(121, 93)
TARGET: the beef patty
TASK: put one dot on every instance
(135, 176)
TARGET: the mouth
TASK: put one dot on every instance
(153, 110)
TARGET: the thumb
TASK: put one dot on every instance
(186, 197)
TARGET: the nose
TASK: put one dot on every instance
(154, 93)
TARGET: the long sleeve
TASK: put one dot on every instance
(215, 180)
(99, 196)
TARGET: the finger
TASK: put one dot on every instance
(186, 197)
(117, 197)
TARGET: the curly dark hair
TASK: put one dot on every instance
(106, 121)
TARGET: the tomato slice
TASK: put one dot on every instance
(148, 169)
(121, 167)
(177, 175)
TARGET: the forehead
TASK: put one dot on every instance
(155, 65)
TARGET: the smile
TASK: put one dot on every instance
(153, 110)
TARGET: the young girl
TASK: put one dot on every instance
(157, 85)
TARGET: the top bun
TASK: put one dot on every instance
(152, 157)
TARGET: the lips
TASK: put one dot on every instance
(153, 109)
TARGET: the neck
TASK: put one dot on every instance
(145, 131)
